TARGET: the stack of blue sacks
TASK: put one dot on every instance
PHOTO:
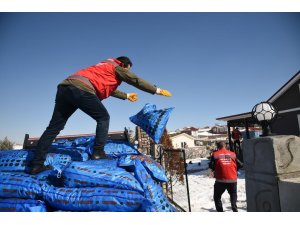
(128, 181)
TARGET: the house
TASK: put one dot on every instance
(212, 137)
(183, 140)
(190, 130)
(287, 102)
(218, 129)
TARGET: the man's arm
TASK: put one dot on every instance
(119, 94)
(134, 80)
(211, 163)
(239, 164)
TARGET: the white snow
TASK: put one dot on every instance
(201, 185)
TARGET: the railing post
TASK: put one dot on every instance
(187, 181)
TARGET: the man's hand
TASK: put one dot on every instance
(163, 92)
(132, 97)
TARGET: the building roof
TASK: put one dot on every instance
(183, 134)
(273, 98)
(285, 87)
(190, 128)
(206, 134)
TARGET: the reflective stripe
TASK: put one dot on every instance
(82, 79)
(226, 181)
(224, 156)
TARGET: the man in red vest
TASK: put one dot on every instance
(85, 90)
(223, 163)
(236, 135)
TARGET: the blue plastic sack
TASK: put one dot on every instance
(76, 153)
(83, 141)
(99, 173)
(154, 168)
(114, 148)
(13, 185)
(15, 160)
(57, 161)
(95, 199)
(62, 143)
(153, 191)
(84, 147)
(83, 144)
(50, 177)
(152, 121)
(22, 205)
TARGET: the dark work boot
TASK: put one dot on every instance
(98, 154)
(37, 168)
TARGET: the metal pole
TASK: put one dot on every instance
(229, 135)
(186, 179)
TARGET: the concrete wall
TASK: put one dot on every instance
(272, 168)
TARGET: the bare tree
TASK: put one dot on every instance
(6, 144)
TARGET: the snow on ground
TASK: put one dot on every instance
(201, 185)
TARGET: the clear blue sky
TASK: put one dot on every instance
(215, 64)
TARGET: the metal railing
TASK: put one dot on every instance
(174, 162)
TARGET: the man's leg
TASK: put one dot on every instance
(62, 111)
(232, 191)
(91, 105)
(218, 191)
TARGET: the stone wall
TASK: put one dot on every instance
(272, 168)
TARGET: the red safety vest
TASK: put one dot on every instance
(225, 166)
(102, 77)
(236, 134)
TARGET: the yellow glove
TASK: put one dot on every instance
(163, 92)
(132, 97)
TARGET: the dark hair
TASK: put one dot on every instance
(125, 60)
(221, 144)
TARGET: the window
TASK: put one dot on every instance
(183, 145)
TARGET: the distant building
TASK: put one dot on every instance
(190, 131)
(183, 140)
(218, 129)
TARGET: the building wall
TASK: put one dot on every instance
(287, 123)
(177, 140)
(290, 99)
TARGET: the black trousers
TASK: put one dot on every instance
(219, 189)
(235, 144)
(68, 100)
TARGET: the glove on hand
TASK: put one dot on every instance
(132, 97)
(163, 92)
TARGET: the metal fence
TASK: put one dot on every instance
(177, 187)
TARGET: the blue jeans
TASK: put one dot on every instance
(68, 100)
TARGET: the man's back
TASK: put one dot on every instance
(225, 167)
